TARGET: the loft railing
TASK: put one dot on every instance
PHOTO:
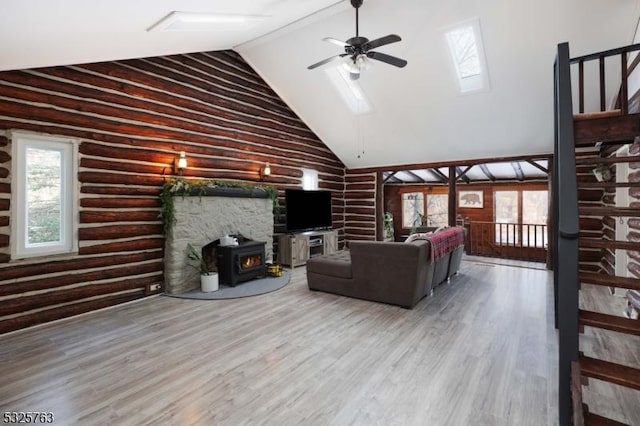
(565, 200)
(521, 241)
(626, 69)
(565, 231)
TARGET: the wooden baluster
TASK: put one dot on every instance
(507, 226)
(624, 98)
(581, 86)
(602, 86)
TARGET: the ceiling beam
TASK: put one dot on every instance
(410, 173)
(518, 169)
(390, 176)
(463, 174)
(487, 172)
(420, 166)
(452, 196)
(443, 178)
(538, 166)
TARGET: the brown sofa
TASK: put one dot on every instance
(389, 272)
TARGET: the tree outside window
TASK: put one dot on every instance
(506, 213)
(437, 209)
(412, 209)
(521, 217)
(534, 212)
(44, 190)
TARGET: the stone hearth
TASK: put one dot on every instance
(202, 219)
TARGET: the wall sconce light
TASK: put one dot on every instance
(602, 173)
(181, 162)
(265, 171)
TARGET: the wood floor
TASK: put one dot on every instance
(612, 401)
(480, 351)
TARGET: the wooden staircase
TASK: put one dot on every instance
(589, 367)
(585, 255)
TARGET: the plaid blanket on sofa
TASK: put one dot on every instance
(445, 241)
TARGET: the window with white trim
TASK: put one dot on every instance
(437, 209)
(466, 50)
(44, 207)
(412, 209)
(309, 179)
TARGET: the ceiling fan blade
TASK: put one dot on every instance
(336, 41)
(391, 38)
(325, 61)
(391, 60)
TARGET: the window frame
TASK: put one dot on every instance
(429, 215)
(519, 238)
(310, 180)
(406, 196)
(68, 147)
(464, 84)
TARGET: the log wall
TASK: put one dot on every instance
(634, 223)
(132, 119)
(360, 205)
(591, 226)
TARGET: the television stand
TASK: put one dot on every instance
(295, 249)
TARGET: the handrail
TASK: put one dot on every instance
(566, 230)
(605, 53)
(625, 70)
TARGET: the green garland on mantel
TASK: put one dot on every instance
(189, 187)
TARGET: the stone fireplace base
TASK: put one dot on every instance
(202, 219)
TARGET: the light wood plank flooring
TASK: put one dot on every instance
(480, 351)
(612, 401)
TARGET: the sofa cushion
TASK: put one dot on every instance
(336, 264)
(418, 236)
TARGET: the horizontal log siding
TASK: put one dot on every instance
(634, 201)
(132, 118)
(360, 205)
(591, 259)
(5, 194)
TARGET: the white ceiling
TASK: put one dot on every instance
(417, 114)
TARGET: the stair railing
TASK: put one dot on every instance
(565, 200)
(566, 231)
(625, 71)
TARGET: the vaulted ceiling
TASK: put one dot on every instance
(416, 113)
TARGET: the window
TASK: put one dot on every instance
(467, 56)
(309, 179)
(506, 213)
(44, 212)
(535, 208)
(412, 209)
(521, 217)
(437, 209)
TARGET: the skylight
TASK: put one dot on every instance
(349, 89)
(194, 21)
(467, 56)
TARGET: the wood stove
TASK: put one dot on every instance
(241, 263)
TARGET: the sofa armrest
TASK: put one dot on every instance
(397, 273)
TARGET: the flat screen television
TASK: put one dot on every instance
(307, 210)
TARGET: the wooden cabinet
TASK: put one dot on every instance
(295, 249)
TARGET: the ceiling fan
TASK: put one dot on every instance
(358, 49)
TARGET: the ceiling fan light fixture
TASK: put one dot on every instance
(357, 65)
(358, 50)
(362, 62)
(351, 66)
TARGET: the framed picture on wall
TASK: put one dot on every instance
(471, 199)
